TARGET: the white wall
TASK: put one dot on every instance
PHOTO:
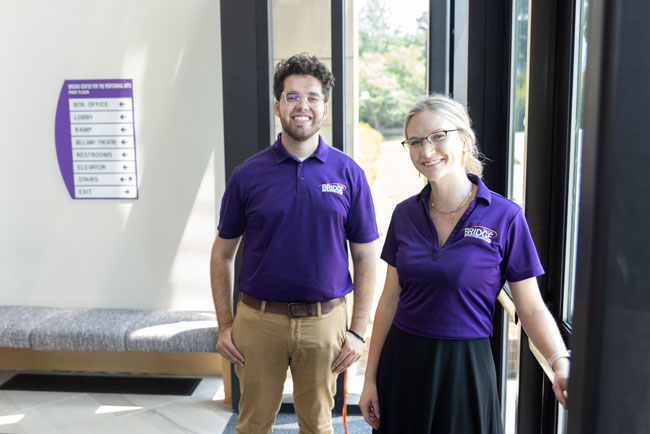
(152, 252)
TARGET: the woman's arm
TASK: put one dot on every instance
(542, 330)
(386, 309)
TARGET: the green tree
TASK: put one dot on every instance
(374, 30)
(392, 67)
(521, 49)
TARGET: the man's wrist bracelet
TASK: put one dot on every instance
(357, 335)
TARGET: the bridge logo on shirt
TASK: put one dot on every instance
(480, 232)
(333, 187)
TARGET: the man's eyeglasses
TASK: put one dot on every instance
(434, 137)
(312, 98)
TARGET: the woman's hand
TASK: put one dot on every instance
(561, 380)
(369, 405)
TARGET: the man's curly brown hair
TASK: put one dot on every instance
(302, 64)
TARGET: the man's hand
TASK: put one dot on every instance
(226, 347)
(350, 353)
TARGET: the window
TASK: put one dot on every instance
(580, 64)
(575, 154)
(516, 184)
(518, 91)
(290, 18)
(392, 76)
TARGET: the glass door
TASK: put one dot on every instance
(391, 68)
(516, 185)
(575, 156)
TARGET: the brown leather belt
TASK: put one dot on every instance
(292, 310)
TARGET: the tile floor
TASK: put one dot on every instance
(97, 413)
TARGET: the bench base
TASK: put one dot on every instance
(133, 362)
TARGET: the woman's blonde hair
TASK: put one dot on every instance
(456, 113)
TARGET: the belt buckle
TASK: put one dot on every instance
(289, 314)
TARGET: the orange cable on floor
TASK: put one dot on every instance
(345, 400)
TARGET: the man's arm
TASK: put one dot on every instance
(222, 271)
(364, 262)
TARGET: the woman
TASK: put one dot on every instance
(449, 251)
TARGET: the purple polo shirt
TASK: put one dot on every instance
(297, 217)
(449, 292)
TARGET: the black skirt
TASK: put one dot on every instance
(437, 386)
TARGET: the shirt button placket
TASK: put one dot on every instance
(300, 182)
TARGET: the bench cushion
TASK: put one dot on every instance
(85, 330)
(174, 331)
(17, 323)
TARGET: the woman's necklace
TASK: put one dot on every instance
(454, 211)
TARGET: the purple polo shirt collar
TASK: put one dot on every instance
(280, 153)
(482, 192)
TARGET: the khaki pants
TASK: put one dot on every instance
(269, 343)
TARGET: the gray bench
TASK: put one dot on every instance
(110, 340)
(54, 329)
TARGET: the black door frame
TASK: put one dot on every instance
(610, 383)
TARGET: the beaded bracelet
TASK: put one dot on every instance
(559, 355)
(357, 335)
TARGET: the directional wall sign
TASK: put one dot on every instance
(95, 139)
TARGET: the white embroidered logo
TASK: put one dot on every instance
(333, 187)
(480, 232)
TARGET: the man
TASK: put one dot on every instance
(298, 202)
